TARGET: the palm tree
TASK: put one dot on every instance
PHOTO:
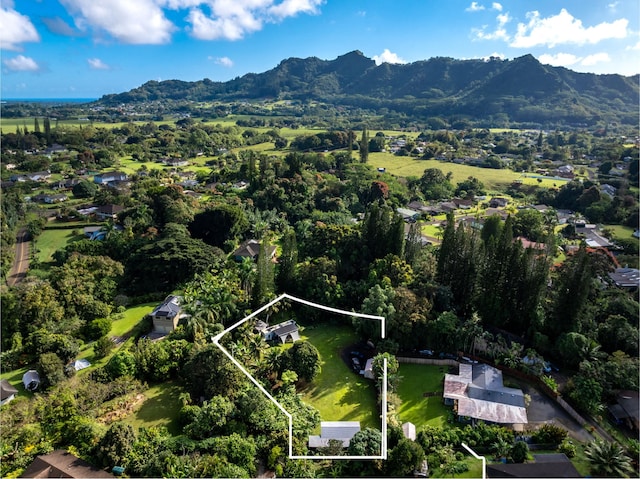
(608, 459)
(501, 448)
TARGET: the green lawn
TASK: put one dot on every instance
(407, 166)
(160, 408)
(339, 393)
(475, 469)
(418, 379)
(131, 317)
(620, 231)
(50, 241)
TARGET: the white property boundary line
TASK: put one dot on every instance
(216, 340)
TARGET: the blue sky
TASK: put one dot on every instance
(88, 48)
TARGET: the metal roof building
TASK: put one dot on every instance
(480, 393)
(337, 430)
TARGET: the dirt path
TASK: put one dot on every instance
(21, 261)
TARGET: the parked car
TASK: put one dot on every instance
(355, 362)
(447, 356)
(551, 366)
(357, 354)
(426, 352)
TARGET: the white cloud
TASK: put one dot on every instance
(21, 64)
(15, 28)
(232, 27)
(564, 28)
(568, 59)
(224, 61)
(474, 7)
(634, 47)
(233, 19)
(595, 58)
(500, 33)
(496, 6)
(387, 57)
(290, 8)
(135, 22)
(97, 64)
(501, 56)
(559, 59)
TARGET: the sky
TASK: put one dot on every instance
(89, 48)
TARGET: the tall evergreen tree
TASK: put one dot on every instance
(287, 261)
(572, 287)
(413, 244)
(364, 146)
(382, 231)
(457, 264)
(47, 130)
(36, 125)
(264, 285)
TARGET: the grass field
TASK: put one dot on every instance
(50, 241)
(338, 393)
(418, 379)
(620, 231)
(161, 407)
(474, 465)
(131, 317)
(407, 166)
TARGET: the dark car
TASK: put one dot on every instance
(357, 354)
(426, 352)
(355, 362)
(447, 356)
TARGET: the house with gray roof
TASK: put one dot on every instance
(478, 392)
(286, 331)
(251, 249)
(166, 315)
(628, 278)
(61, 463)
(335, 430)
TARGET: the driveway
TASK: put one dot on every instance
(21, 261)
(543, 410)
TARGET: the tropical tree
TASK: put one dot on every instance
(304, 359)
(608, 459)
(115, 445)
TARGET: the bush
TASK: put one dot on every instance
(102, 347)
(550, 382)
(97, 328)
(519, 452)
(550, 434)
(568, 448)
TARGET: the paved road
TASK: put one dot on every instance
(543, 410)
(21, 261)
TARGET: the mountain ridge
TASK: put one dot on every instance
(522, 89)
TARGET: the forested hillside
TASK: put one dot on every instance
(521, 90)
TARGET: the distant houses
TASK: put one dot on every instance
(107, 212)
(251, 249)
(110, 177)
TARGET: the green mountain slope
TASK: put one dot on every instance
(522, 89)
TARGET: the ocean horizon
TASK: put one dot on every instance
(48, 100)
